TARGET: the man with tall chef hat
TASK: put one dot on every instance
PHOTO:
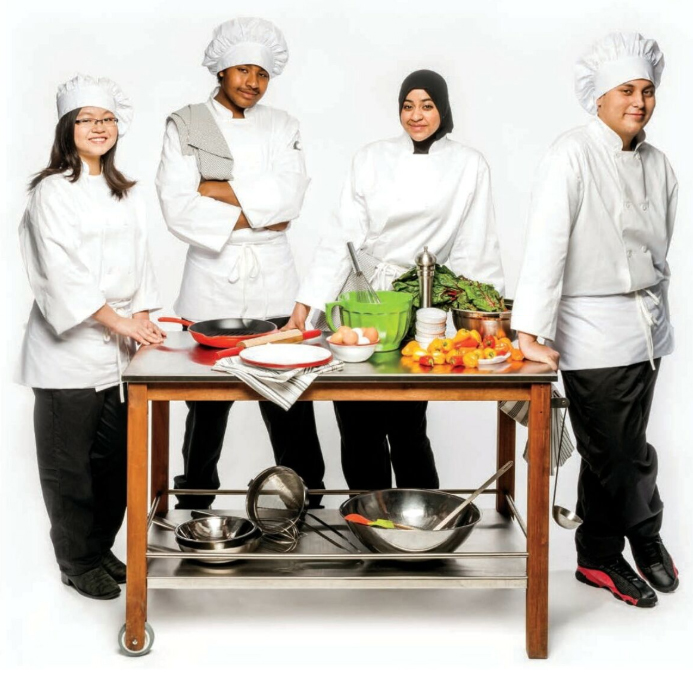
(232, 177)
(593, 287)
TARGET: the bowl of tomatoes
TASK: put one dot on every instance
(495, 324)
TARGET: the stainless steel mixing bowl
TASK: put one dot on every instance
(486, 323)
(420, 508)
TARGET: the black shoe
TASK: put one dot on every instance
(654, 564)
(619, 578)
(114, 567)
(95, 583)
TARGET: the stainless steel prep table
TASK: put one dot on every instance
(181, 370)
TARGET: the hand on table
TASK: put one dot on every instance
(298, 318)
(142, 330)
(537, 352)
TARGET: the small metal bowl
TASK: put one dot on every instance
(486, 323)
(420, 508)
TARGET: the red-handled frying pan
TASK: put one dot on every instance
(225, 333)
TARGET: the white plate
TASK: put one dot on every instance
(285, 356)
(494, 361)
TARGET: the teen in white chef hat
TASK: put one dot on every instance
(84, 243)
(232, 178)
(594, 287)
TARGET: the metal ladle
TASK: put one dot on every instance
(565, 518)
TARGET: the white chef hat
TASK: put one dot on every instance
(247, 41)
(617, 58)
(84, 90)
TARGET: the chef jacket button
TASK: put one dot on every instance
(629, 253)
(644, 248)
(645, 206)
(627, 204)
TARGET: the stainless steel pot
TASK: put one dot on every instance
(486, 323)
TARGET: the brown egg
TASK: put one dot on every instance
(336, 338)
(350, 338)
(343, 330)
(371, 334)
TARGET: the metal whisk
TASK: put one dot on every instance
(364, 290)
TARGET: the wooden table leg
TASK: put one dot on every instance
(537, 605)
(136, 588)
(160, 449)
(505, 452)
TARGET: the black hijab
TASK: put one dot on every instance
(436, 87)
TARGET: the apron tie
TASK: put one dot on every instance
(384, 274)
(647, 320)
(121, 311)
(247, 268)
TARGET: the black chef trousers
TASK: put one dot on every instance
(367, 461)
(617, 487)
(81, 444)
(292, 433)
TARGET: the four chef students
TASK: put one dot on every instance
(84, 243)
(420, 188)
(231, 179)
(594, 282)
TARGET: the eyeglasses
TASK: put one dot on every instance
(109, 122)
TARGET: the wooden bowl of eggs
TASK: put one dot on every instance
(353, 345)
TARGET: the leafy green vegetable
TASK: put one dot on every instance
(450, 291)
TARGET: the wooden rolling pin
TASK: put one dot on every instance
(287, 337)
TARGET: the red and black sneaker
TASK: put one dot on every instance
(654, 564)
(619, 578)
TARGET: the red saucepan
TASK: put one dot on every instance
(225, 333)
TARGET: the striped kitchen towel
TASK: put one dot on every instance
(281, 387)
(562, 447)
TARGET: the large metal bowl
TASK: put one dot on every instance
(413, 507)
(486, 323)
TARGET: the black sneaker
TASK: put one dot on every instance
(114, 567)
(619, 578)
(95, 583)
(655, 565)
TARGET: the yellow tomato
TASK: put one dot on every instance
(461, 335)
(451, 354)
(438, 357)
(489, 353)
(410, 348)
(419, 352)
(447, 345)
(470, 360)
(435, 345)
(473, 333)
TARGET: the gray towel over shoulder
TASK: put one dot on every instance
(201, 137)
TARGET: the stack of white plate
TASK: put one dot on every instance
(430, 324)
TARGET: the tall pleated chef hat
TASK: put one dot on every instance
(617, 58)
(83, 90)
(249, 41)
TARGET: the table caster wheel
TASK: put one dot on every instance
(148, 642)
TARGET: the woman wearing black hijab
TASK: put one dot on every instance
(418, 189)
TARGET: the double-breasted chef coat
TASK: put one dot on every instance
(82, 248)
(595, 274)
(249, 272)
(395, 202)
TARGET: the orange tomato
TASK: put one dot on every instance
(456, 361)
(467, 342)
(451, 354)
(517, 355)
(426, 361)
(502, 349)
(473, 333)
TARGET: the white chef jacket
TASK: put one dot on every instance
(395, 202)
(595, 274)
(82, 248)
(249, 272)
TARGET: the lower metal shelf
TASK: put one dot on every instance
(494, 556)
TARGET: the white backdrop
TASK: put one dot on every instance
(509, 70)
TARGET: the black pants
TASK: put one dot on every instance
(292, 433)
(81, 443)
(367, 461)
(617, 488)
